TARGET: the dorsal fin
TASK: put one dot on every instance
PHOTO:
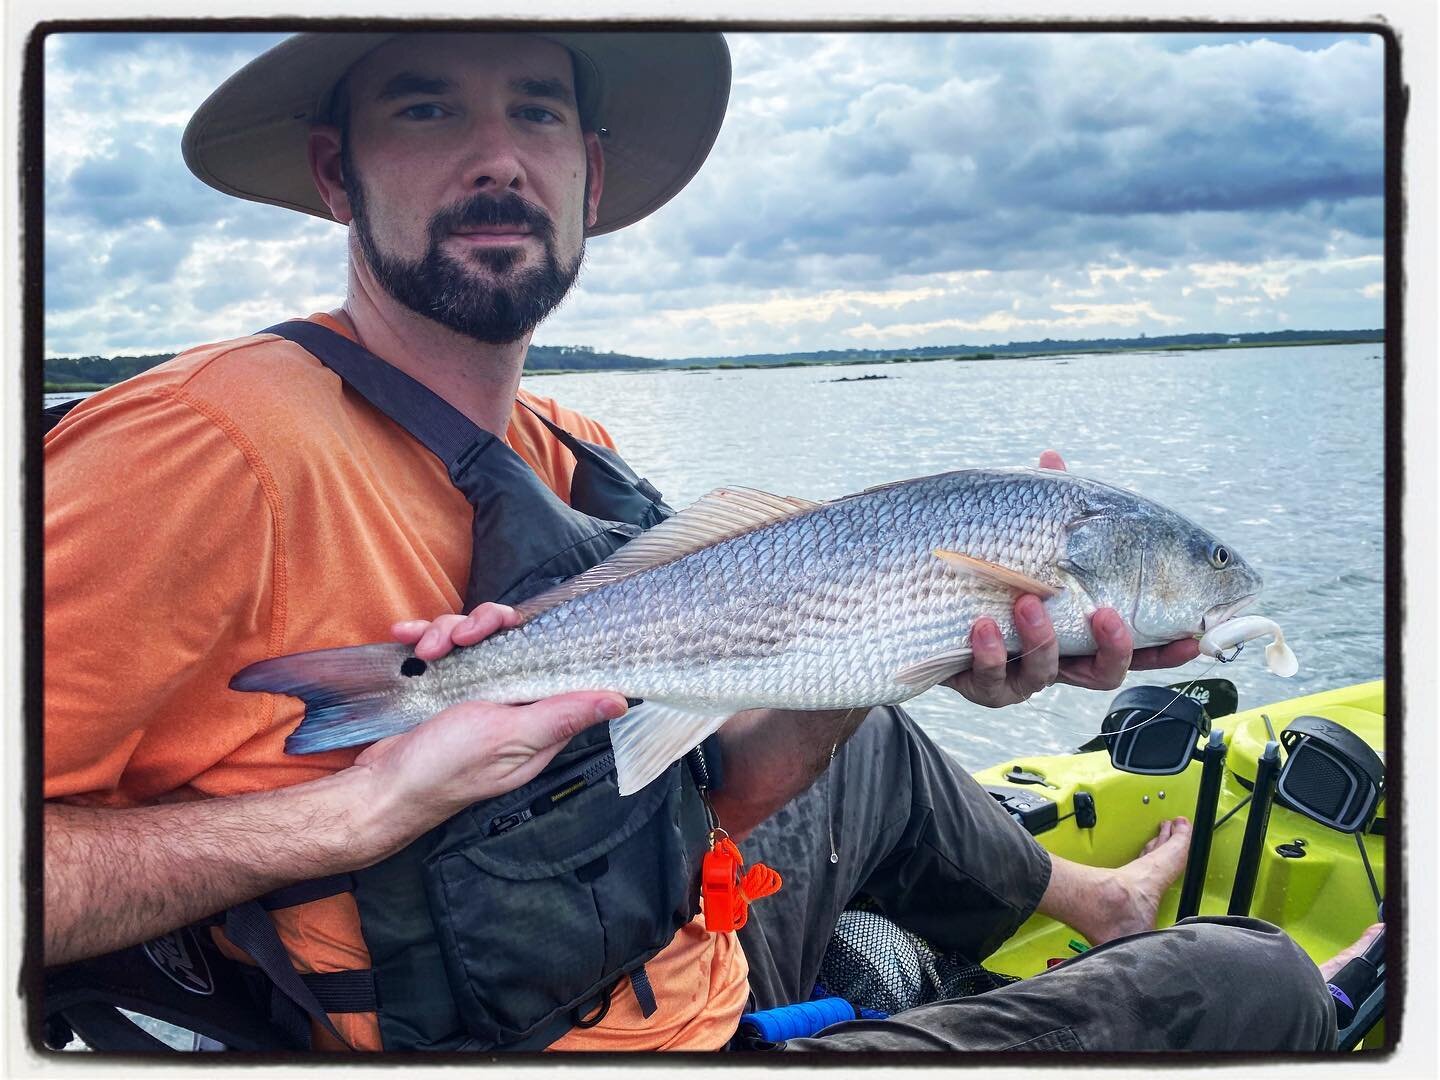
(723, 513)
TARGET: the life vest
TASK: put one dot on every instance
(513, 921)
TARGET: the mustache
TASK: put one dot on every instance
(483, 211)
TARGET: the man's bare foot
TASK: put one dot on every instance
(1332, 967)
(1104, 904)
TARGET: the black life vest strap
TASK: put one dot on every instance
(600, 457)
(343, 991)
(248, 926)
(305, 892)
(440, 427)
(644, 992)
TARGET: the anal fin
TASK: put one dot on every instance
(652, 735)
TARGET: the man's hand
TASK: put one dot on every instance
(994, 681)
(474, 750)
(435, 637)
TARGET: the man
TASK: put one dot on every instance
(243, 502)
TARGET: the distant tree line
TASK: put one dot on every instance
(582, 358)
(104, 370)
(99, 369)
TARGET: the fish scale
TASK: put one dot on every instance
(837, 605)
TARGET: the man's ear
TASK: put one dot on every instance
(323, 148)
(595, 175)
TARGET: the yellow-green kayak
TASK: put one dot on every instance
(1322, 896)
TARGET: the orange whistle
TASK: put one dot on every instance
(728, 895)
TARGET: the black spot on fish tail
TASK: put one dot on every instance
(352, 696)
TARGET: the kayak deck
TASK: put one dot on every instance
(1322, 898)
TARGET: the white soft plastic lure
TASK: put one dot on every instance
(1278, 656)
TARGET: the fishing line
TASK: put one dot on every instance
(1135, 727)
(1051, 716)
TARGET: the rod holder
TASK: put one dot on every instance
(1253, 845)
(1202, 825)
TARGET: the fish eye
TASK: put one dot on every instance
(1219, 556)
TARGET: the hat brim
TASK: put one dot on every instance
(660, 97)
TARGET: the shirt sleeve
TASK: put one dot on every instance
(160, 571)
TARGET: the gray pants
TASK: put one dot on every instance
(936, 854)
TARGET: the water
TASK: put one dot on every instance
(1277, 451)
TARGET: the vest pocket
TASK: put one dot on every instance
(544, 898)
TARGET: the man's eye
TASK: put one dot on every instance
(537, 114)
(426, 111)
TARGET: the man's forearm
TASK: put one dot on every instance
(770, 756)
(117, 877)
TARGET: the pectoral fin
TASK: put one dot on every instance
(934, 669)
(997, 574)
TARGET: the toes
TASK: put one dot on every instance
(1175, 830)
(1172, 828)
(1162, 835)
(1180, 838)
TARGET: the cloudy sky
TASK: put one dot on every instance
(868, 190)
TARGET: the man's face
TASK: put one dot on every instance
(467, 176)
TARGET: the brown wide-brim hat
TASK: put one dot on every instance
(660, 98)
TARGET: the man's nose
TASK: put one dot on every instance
(492, 159)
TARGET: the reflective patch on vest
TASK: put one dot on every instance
(178, 955)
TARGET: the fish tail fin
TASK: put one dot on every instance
(352, 696)
(651, 736)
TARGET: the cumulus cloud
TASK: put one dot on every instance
(1041, 135)
(895, 189)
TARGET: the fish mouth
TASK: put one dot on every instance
(1224, 612)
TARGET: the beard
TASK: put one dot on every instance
(500, 308)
